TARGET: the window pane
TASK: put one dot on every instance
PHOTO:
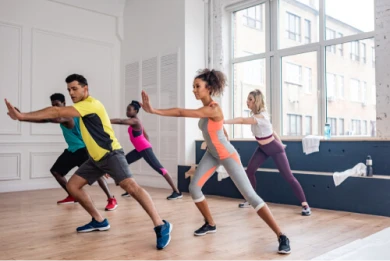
(359, 18)
(247, 76)
(298, 22)
(350, 85)
(299, 74)
(248, 31)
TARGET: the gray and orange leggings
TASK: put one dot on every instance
(233, 166)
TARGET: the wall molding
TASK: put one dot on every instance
(19, 89)
(32, 143)
(36, 153)
(18, 166)
(36, 31)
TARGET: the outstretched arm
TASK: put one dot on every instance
(47, 113)
(204, 112)
(124, 121)
(241, 120)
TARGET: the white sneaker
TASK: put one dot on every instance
(244, 205)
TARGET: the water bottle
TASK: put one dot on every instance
(370, 171)
(327, 131)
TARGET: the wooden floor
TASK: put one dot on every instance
(33, 227)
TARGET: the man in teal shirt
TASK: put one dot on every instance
(75, 155)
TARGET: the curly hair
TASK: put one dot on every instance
(216, 80)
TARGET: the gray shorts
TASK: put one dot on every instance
(114, 163)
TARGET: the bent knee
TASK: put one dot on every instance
(130, 186)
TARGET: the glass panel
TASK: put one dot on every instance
(352, 96)
(299, 94)
(248, 31)
(299, 22)
(247, 76)
(358, 19)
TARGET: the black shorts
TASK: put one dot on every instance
(68, 160)
(114, 163)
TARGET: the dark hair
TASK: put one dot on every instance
(215, 80)
(57, 97)
(76, 77)
(135, 104)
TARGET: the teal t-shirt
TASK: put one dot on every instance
(73, 136)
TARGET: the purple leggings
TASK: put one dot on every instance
(276, 151)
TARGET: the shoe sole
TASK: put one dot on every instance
(208, 232)
(95, 229)
(169, 240)
(175, 198)
(283, 252)
(111, 209)
(306, 214)
(64, 203)
(126, 196)
(244, 206)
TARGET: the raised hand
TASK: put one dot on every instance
(13, 112)
(146, 103)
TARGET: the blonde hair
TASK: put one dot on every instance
(260, 105)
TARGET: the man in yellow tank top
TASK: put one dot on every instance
(106, 156)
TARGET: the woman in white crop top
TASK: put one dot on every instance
(270, 145)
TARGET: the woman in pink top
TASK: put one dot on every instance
(143, 149)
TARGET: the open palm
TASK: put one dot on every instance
(12, 111)
(146, 102)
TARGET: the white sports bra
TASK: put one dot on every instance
(263, 128)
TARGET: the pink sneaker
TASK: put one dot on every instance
(112, 204)
(67, 200)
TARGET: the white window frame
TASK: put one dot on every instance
(274, 55)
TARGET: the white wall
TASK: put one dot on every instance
(161, 35)
(42, 42)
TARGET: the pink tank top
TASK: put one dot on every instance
(138, 139)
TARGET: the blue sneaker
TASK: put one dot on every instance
(94, 226)
(163, 233)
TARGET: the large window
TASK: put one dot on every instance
(298, 85)
(294, 125)
(333, 125)
(363, 53)
(355, 51)
(311, 68)
(330, 34)
(253, 17)
(308, 125)
(307, 31)
(249, 24)
(341, 127)
(293, 27)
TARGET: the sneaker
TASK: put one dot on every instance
(205, 229)
(284, 245)
(175, 195)
(112, 204)
(244, 205)
(163, 234)
(126, 194)
(67, 200)
(306, 211)
(94, 226)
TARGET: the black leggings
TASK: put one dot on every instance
(149, 157)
